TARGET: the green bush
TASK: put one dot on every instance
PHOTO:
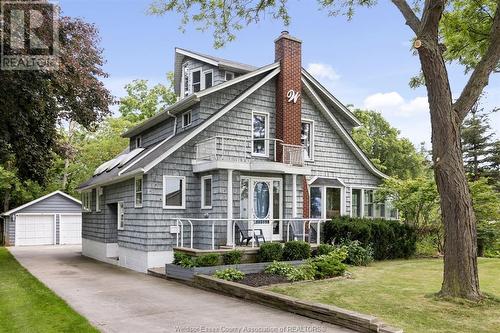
(389, 239)
(301, 273)
(207, 260)
(269, 252)
(232, 257)
(357, 254)
(229, 274)
(296, 250)
(324, 249)
(329, 265)
(488, 239)
(183, 260)
(279, 268)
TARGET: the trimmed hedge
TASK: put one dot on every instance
(389, 239)
(296, 250)
(269, 252)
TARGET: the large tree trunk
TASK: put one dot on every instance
(460, 244)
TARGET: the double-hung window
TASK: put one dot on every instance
(356, 202)
(369, 208)
(98, 198)
(186, 119)
(138, 191)
(196, 80)
(260, 131)
(174, 192)
(87, 201)
(206, 192)
(208, 78)
(307, 139)
(185, 81)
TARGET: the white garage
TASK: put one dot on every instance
(52, 219)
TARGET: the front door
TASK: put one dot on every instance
(262, 197)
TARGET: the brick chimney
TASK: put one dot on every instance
(288, 51)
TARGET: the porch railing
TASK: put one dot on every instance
(225, 148)
(302, 229)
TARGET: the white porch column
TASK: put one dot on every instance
(294, 196)
(229, 207)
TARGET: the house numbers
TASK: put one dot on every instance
(292, 96)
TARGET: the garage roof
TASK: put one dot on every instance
(67, 196)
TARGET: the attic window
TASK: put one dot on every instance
(229, 76)
(138, 142)
(196, 80)
(208, 78)
(185, 80)
(186, 119)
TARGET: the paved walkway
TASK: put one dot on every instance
(119, 300)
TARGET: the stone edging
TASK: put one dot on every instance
(327, 313)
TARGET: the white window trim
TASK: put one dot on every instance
(323, 199)
(183, 206)
(203, 83)
(203, 192)
(87, 201)
(310, 121)
(266, 137)
(98, 191)
(190, 119)
(191, 72)
(228, 72)
(118, 215)
(135, 191)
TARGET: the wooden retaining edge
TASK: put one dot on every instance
(327, 313)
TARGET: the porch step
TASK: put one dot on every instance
(158, 272)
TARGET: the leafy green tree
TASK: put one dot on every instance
(393, 155)
(460, 278)
(477, 143)
(143, 102)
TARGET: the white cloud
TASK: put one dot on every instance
(323, 72)
(411, 117)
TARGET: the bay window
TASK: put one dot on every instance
(356, 203)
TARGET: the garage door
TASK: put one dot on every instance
(34, 229)
(70, 229)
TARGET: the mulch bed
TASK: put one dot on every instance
(262, 279)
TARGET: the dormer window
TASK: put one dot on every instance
(229, 76)
(185, 81)
(196, 80)
(138, 142)
(208, 78)
(186, 119)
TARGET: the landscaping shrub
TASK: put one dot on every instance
(389, 239)
(279, 268)
(488, 239)
(183, 260)
(324, 249)
(357, 254)
(232, 257)
(329, 265)
(296, 250)
(229, 274)
(207, 260)
(269, 252)
(301, 273)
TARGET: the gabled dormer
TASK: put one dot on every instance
(195, 72)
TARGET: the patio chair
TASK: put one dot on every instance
(245, 235)
(298, 231)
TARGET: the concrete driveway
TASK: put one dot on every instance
(119, 300)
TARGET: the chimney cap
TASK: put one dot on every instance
(285, 34)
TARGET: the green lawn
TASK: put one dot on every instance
(402, 294)
(26, 305)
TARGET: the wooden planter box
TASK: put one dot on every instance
(187, 274)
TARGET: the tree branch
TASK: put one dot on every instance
(480, 75)
(411, 19)
(433, 10)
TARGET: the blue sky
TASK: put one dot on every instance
(365, 62)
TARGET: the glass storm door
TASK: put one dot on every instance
(264, 200)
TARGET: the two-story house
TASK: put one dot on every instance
(265, 148)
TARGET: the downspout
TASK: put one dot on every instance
(175, 123)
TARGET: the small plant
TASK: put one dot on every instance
(232, 257)
(229, 274)
(269, 252)
(324, 249)
(357, 254)
(302, 273)
(296, 250)
(183, 260)
(279, 268)
(329, 265)
(207, 260)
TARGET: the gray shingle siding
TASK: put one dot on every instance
(56, 203)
